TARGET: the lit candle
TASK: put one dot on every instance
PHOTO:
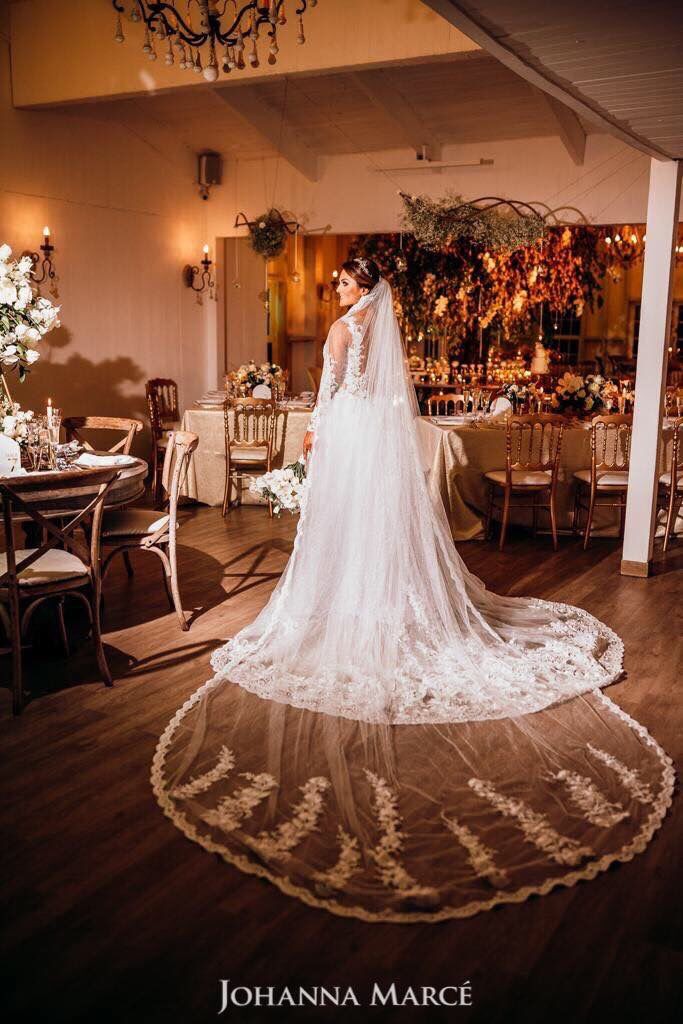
(49, 412)
(46, 234)
(205, 250)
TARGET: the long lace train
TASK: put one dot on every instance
(388, 739)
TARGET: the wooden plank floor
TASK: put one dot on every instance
(109, 913)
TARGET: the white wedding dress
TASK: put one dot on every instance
(411, 745)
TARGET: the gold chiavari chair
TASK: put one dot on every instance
(164, 416)
(73, 425)
(533, 444)
(671, 482)
(608, 473)
(446, 405)
(249, 436)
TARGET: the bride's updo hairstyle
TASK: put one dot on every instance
(364, 271)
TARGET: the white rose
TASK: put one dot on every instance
(8, 293)
(5, 253)
(32, 356)
(9, 424)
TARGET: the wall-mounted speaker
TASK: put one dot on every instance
(209, 172)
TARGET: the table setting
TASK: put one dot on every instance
(205, 479)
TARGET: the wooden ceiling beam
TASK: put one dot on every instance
(246, 101)
(569, 128)
(382, 91)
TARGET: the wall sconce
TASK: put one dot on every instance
(46, 266)
(203, 276)
(326, 291)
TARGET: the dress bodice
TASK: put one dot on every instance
(344, 363)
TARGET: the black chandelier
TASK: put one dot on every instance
(221, 24)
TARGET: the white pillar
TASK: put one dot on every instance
(655, 323)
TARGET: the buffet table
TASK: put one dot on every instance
(459, 455)
(206, 476)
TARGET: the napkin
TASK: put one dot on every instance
(10, 456)
(92, 461)
(500, 408)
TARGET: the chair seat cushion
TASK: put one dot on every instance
(248, 455)
(132, 522)
(606, 479)
(54, 566)
(521, 477)
(665, 479)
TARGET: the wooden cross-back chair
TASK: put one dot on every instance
(63, 564)
(164, 416)
(608, 473)
(533, 444)
(671, 482)
(249, 435)
(73, 425)
(146, 530)
(446, 405)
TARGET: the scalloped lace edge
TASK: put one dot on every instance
(637, 845)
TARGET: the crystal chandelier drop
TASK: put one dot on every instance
(225, 32)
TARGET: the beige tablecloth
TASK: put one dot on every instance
(460, 455)
(206, 477)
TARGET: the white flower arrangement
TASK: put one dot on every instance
(581, 394)
(25, 318)
(252, 374)
(284, 487)
(15, 422)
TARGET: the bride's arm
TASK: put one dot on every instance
(332, 376)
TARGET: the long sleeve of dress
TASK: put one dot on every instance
(335, 356)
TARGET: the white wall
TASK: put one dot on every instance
(125, 218)
(353, 195)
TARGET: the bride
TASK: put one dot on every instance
(410, 745)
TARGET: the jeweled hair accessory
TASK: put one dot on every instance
(364, 265)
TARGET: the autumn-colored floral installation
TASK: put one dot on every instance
(456, 290)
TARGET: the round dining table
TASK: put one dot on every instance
(127, 488)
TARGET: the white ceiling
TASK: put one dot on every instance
(620, 59)
(470, 99)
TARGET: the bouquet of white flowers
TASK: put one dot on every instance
(24, 316)
(284, 487)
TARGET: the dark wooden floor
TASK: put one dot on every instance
(109, 914)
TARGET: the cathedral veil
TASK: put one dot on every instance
(388, 739)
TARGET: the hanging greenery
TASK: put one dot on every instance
(495, 224)
(268, 233)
